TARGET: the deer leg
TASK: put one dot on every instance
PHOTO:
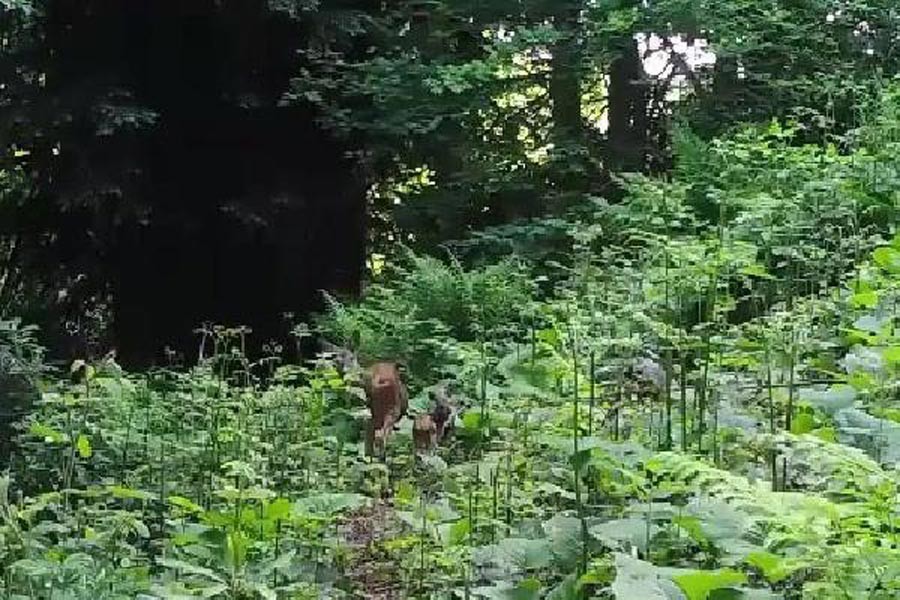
(370, 437)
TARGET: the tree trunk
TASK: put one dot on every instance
(627, 110)
(565, 81)
(570, 168)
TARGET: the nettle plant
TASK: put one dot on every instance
(188, 483)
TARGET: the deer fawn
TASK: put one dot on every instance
(430, 429)
(424, 433)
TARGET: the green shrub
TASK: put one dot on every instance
(21, 361)
(419, 307)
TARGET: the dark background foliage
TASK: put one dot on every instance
(166, 164)
(169, 182)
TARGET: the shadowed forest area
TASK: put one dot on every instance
(509, 299)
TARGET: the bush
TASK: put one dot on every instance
(21, 362)
(420, 307)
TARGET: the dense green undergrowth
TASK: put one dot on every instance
(699, 401)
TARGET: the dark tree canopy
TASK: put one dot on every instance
(172, 163)
(168, 172)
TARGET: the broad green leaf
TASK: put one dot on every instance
(802, 423)
(691, 526)
(330, 503)
(184, 539)
(516, 555)
(566, 539)
(84, 446)
(550, 337)
(472, 420)
(634, 531)
(189, 568)
(526, 554)
(406, 494)
(873, 324)
(699, 584)
(833, 399)
(278, 509)
(459, 532)
(49, 435)
(757, 270)
(864, 300)
(636, 579)
(891, 355)
(772, 566)
(828, 434)
(888, 259)
(126, 493)
(862, 381)
(31, 568)
(895, 241)
(186, 504)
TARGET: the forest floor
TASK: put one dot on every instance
(371, 572)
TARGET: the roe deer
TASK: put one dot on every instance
(424, 433)
(443, 412)
(388, 402)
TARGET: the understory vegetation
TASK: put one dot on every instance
(699, 401)
(646, 253)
